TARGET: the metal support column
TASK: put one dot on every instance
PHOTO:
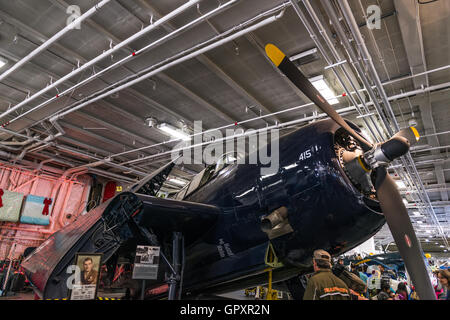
(175, 276)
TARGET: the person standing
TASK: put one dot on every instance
(444, 279)
(324, 285)
(402, 292)
(385, 293)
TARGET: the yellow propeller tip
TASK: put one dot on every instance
(274, 54)
(416, 133)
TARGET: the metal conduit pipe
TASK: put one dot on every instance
(403, 95)
(128, 83)
(249, 132)
(11, 156)
(100, 162)
(256, 118)
(230, 38)
(105, 54)
(428, 201)
(331, 13)
(350, 19)
(152, 45)
(11, 148)
(415, 75)
(348, 15)
(7, 155)
(53, 39)
(429, 149)
(111, 175)
(46, 141)
(18, 134)
(356, 62)
(181, 54)
(330, 62)
(16, 143)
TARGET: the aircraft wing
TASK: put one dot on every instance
(190, 218)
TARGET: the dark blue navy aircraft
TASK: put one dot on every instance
(222, 231)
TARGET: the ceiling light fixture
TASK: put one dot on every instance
(3, 62)
(366, 135)
(320, 84)
(177, 181)
(151, 122)
(174, 132)
(400, 184)
(305, 56)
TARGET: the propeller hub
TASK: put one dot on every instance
(375, 157)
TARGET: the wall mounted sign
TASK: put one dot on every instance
(146, 263)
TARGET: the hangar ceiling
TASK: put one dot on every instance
(99, 117)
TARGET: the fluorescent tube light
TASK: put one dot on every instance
(174, 132)
(177, 181)
(400, 184)
(326, 92)
(303, 54)
(3, 62)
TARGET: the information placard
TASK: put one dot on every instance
(146, 263)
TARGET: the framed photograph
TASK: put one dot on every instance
(86, 284)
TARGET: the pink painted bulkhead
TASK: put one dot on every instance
(69, 193)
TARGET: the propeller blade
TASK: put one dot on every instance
(409, 134)
(399, 144)
(402, 230)
(300, 81)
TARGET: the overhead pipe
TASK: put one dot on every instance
(99, 161)
(105, 54)
(346, 11)
(350, 19)
(177, 61)
(395, 97)
(240, 26)
(250, 132)
(111, 175)
(415, 75)
(46, 141)
(152, 45)
(128, 83)
(330, 62)
(53, 39)
(7, 155)
(356, 62)
(189, 56)
(16, 143)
